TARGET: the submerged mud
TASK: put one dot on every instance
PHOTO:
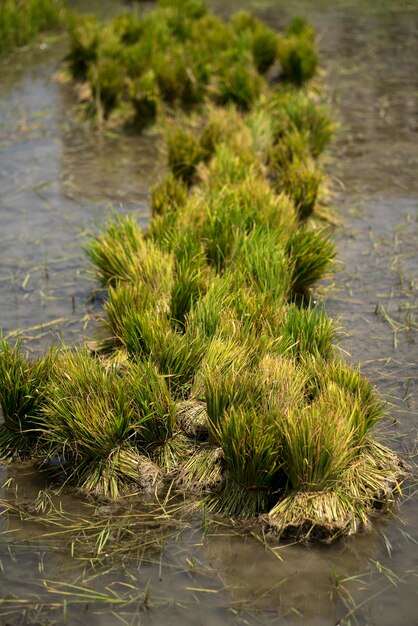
(65, 180)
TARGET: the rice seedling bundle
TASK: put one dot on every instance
(183, 56)
(23, 387)
(213, 368)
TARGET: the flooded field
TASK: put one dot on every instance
(57, 181)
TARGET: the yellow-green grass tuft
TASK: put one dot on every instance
(90, 420)
(120, 253)
(23, 388)
(342, 508)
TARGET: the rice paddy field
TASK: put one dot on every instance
(65, 558)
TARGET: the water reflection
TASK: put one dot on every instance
(57, 181)
(230, 574)
(120, 170)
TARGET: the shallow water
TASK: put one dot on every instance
(57, 180)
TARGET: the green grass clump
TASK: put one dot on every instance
(253, 461)
(222, 123)
(301, 28)
(23, 386)
(265, 265)
(106, 81)
(122, 303)
(301, 130)
(367, 406)
(21, 21)
(85, 35)
(302, 182)
(297, 54)
(335, 474)
(121, 254)
(188, 286)
(306, 332)
(129, 28)
(90, 420)
(311, 253)
(251, 409)
(114, 254)
(263, 39)
(144, 96)
(264, 48)
(192, 56)
(169, 195)
(149, 333)
(184, 154)
(159, 435)
(239, 83)
(230, 166)
(178, 358)
(317, 445)
(293, 110)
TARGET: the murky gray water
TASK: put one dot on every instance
(57, 180)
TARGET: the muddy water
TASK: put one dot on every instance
(57, 180)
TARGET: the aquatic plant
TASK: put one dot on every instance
(265, 265)
(129, 28)
(263, 39)
(159, 435)
(300, 27)
(292, 110)
(193, 57)
(368, 407)
(231, 166)
(311, 253)
(343, 496)
(169, 195)
(221, 123)
(89, 421)
(85, 36)
(178, 357)
(149, 333)
(106, 82)
(256, 409)
(23, 385)
(144, 96)
(253, 461)
(238, 82)
(306, 331)
(121, 254)
(188, 286)
(122, 302)
(298, 57)
(114, 253)
(302, 182)
(20, 21)
(184, 154)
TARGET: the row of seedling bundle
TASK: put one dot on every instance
(213, 372)
(137, 66)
